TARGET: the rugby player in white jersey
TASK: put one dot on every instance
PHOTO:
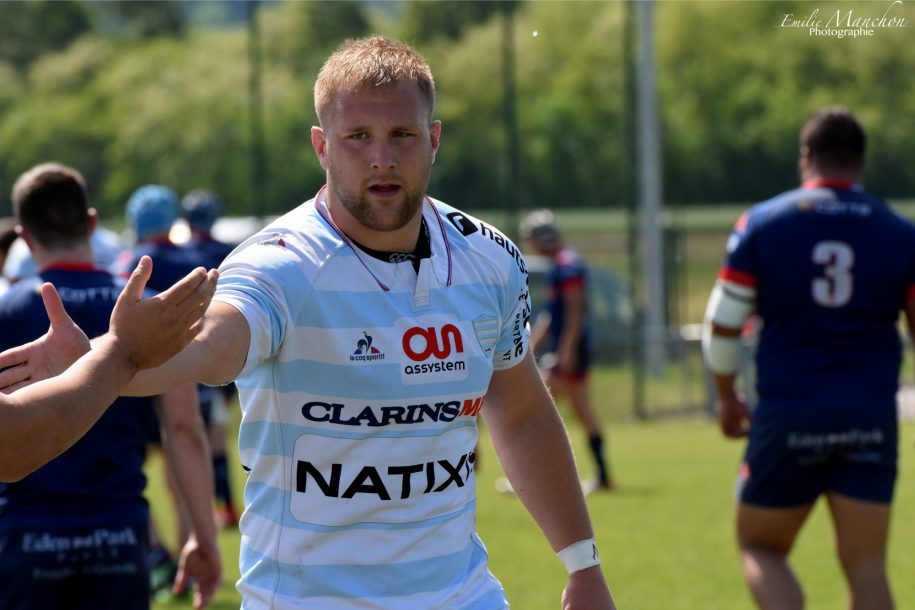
(364, 329)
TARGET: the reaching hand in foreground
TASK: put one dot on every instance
(150, 331)
(146, 331)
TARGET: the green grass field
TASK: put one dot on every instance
(665, 536)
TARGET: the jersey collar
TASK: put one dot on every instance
(836, 185)
(66, 266)
(383, 272)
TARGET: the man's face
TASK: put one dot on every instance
(377, 146)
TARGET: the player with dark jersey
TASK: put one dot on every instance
(827, 268)
(76, 528)
(151, 212)
(73, 534)
(562, 331)
(567, 273)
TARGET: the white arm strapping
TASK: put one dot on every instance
(730, 304)
(720, 353)
(729, 307)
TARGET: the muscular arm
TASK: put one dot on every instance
(532, 446)
(728, 308)
(215, 356)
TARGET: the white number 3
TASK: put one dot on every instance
(835, 288)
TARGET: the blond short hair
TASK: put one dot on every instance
(373, 62)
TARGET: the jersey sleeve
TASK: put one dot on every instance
(570, 272)
(251, 281)
(740, 265)
(514, 335)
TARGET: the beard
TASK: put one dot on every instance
(389, 216)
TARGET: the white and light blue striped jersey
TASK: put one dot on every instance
(360, 397)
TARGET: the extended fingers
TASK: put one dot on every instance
(196, 286)
(12, 377)
(137, 282)
(13, 357)
(57, 315)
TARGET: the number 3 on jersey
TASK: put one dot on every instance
(834, 287)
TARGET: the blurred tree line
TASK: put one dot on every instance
(135, 92)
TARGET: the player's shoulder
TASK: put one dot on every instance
(569, 258)
(483, 241)
(301, 237)
(21, 295)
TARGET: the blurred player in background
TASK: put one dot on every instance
(561, 331)
(827, 268)
(76, 529)
(19, 264)
(201, 209)
(151, 211)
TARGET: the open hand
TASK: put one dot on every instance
(150, 331)
(49, 355)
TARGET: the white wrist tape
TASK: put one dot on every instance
(580, 555)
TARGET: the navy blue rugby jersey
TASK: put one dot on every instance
(212, 251)
(832, 267)
(99, 481)
(568, 272)
(171, 262)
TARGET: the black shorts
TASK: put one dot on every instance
(96, 568)
(582, 365)
(794, 456)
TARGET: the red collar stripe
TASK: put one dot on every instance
(842, 185)
(65, 266)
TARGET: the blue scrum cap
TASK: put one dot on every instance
(152, 209)
(201, 209)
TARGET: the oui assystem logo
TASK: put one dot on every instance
(843, 23)
(432, 353)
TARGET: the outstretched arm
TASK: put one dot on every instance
(39, 422)
(214, 357)
(532, 446)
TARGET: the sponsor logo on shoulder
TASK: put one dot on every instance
(505, 244)
(462, 223)
(274, 240)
